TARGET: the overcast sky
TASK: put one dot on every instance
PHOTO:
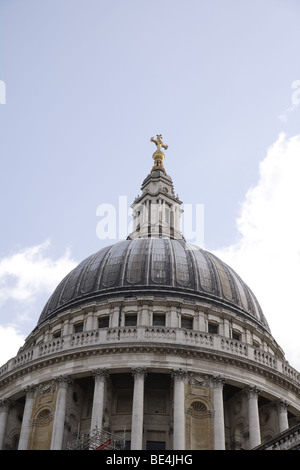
(83, 87)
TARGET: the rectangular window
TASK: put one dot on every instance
(236, 336)
(103, 322)
(187, 323)
(159, 320)
(213, 328)
(78, 328)
(130, 320)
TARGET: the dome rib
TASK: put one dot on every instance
(157, 266)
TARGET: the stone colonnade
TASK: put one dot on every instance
(179, 377)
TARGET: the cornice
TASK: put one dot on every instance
(187, 352)
(130, 295)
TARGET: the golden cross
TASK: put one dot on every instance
(158, 142)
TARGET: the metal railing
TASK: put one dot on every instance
(98, 439)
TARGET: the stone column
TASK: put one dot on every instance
(62, 383)
(25, 429)
(145, 214)
(201, 321)
(254, 426)
(219, 426)
(177, 218)
(145, 314)
(173, 322)
(115, 316)
(226, 328)
(89, 321)
(98, 400)
(282, 407)
(138, 409)
(179, 412)
(4, 411)
(66, 327)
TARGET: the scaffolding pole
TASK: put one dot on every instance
(98, 439)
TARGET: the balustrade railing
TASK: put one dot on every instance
(234, 346)
(151, 334)
(286, 440)
(265, 358)
(50, 347)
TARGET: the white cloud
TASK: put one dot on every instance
(30, 271)
(295, 98)
(11, 340)
(267, 255)
(27, 278)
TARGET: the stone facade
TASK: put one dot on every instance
(169, 387)
(152, 340)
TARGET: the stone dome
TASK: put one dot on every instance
(160, 267)
(150, 343)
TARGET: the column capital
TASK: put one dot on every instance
(30, 390)
(179, 375)
(139, 372)
(62, 381)
(5, 404)
(218, 382)
(281, 404)
(100, 374)
(252, 391)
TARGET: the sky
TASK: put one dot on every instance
(84, 85)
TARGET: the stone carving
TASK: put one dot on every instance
(100, 374)
(62, 381)
(139, 372)
(198, 379)
(252, 391)
(5, 404)
(179, 374)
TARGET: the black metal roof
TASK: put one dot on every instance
(154, 267)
